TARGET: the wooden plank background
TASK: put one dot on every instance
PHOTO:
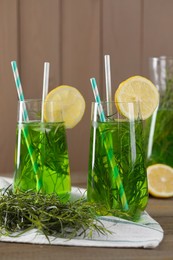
(74, 36)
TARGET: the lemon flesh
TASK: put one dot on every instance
(137, 89)
(69, 106)
(160, 180)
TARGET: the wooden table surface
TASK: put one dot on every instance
(160, 209)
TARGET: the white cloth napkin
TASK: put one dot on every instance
(146, 233)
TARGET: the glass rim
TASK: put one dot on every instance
(38, 100)
(157, 58)
(116, 102)
(34, 110)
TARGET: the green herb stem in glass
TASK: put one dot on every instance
(48, 141)
(128, 152)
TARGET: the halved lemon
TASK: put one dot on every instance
(160, 180)
(137, 89)
(69, 102)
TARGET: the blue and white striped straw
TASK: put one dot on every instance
(19, 88)
(97, 99)
(108, 147)
(31, 151)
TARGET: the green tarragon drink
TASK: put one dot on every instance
(159, 127)
(41, 155)
(125, 137)
(48, 141)
(159, 136)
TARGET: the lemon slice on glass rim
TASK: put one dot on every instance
(137, 89)
(160, 180)
(70, 105)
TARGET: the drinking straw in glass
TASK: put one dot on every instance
(151, 134)
(25, 129)
(108, 84)
(109, 148)
(45, 87)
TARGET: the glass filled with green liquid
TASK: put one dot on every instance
(117, 174)
(41, 154)
(159, 128)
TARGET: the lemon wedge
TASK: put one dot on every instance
(137, 89)
(160, 180)
(70, 105)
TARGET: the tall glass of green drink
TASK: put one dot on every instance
(41, 156)
(117, 144)
(159, 128)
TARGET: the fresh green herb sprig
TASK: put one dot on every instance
(166, 97)
(25, 211)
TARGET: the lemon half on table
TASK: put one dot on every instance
(137, 89)
(160, 180)
(69, 101)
